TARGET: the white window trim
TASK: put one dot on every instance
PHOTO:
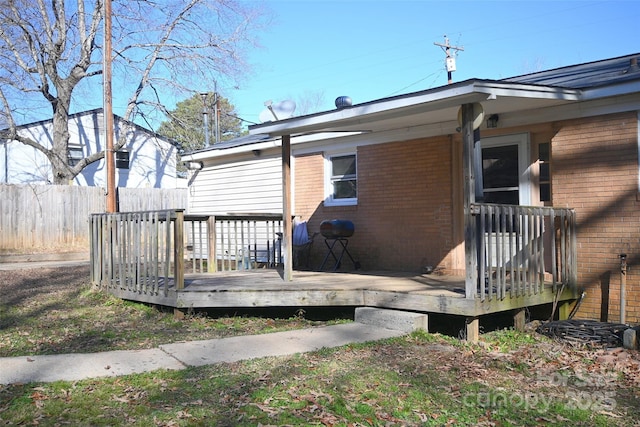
(75, 153)
(328, 188)
(524, 163)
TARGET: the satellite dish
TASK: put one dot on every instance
(278, 111)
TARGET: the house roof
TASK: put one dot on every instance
(435, 110)
(436, 107)
(240, 141)
(582, 76)
(99, 111)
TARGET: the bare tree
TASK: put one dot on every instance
(51, 48)
(309, 102)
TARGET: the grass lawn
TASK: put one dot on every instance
(509, 378)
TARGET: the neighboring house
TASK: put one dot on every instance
(397, 167)
(147, 160)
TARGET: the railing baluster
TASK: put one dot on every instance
(541, 265)
(222, 254)
(155, 247)
(514, 246)
(563, 245)
(482, 236)
(534, 251)
(255, 243)
(236, 249)
(167, 253)
(202, 227)
(270, 261)
(512, 251)
(178, 251)
(502, 250)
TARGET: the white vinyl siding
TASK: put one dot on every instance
(246, 186)
(152, 161)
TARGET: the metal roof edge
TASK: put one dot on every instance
(272, 142)
(473, 90)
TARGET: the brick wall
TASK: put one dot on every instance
(404, 214)
(595, 171)
(403, 218)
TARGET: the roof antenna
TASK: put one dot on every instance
(450, 61)
(269, 105)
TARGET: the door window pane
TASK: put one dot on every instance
(500, 174)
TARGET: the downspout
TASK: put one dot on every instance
(623, 287)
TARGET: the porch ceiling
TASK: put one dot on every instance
(431, 107)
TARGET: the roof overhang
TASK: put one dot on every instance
(273, 141)
(430, 107)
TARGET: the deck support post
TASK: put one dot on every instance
(212, 265)
(519, 319)
(564, 309)
(178, 249)
(287, 210)
(472, 325)
(469, 198)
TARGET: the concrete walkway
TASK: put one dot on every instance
(372, 324)
(72, 367)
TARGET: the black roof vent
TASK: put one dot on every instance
(343, 101)
(633, 66)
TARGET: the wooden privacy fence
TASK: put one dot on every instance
(522, 249)
(149, 252)
(56, 216)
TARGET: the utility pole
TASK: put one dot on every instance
(450, 61)
(108, 112)
(216, 117)
(205, 114)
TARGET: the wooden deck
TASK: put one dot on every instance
(266, 288)
(516, 257)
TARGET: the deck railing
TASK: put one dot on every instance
(140, 252)
(149, 252)
(522, 249)
(237, 241)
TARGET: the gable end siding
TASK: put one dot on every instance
(245, 186)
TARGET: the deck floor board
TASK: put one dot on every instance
(271, 280)
(430, 293)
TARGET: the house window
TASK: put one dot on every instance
(122, 159)
(74, 155)
(341, 179)
(544, 158)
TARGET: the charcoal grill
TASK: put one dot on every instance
(337, 232)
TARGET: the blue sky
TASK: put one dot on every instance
(369, 49)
